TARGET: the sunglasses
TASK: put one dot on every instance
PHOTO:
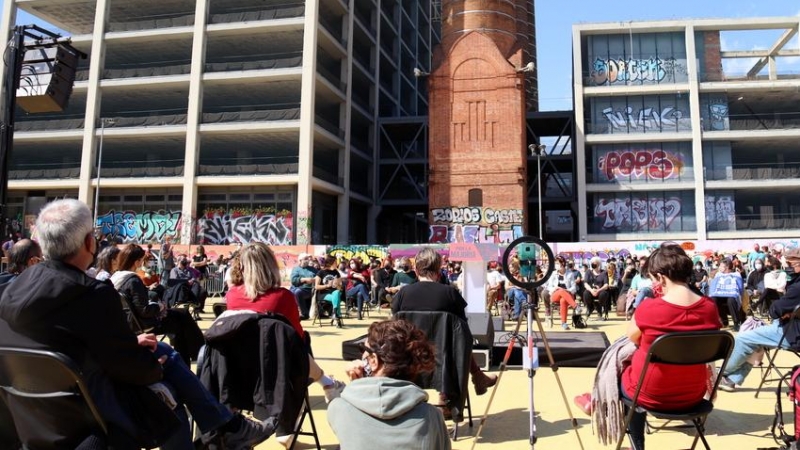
(363, 347)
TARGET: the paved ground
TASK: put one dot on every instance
(739, 421)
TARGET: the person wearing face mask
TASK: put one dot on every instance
(781, 310)
(641, 288)
(382, 407)
(726, 289)
(678, 308)
(357, 285)
(774, 284)
(596, 295)
(404, 276)
(700, 278)
(754, 288)
(560, 291)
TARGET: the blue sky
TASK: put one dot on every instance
(554, 20)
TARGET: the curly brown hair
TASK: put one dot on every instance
(402, 348)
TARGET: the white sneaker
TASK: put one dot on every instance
(334, 390)
(286, 441)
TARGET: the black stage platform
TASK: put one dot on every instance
(570, 348)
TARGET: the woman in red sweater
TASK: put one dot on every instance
(678, 308)
(256, 280)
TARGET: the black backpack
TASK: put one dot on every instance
(785, 440)
(578, 322)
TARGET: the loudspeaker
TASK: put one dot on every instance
(482, 328)
(482, 358)
(46, 79)
(499, 323)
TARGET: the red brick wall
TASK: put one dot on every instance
(477, 126)
(712, 59)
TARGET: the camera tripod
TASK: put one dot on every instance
(531, 315)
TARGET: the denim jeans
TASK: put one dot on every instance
(518, 297)
(643, 293)
(206, 410)
(747, 342)
(303, 298)
(359, 291)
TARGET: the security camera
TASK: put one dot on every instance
(528, 67)
(537, 149)
(419, 73)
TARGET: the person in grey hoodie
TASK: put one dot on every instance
(382, 407)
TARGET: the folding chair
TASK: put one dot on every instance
(452, 366)
(47, 388)
(772, 356)
(683, 348)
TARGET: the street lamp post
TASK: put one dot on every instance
(538, 149)
(103, 123)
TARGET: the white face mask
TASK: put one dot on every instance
(558, 266)
(759, 266)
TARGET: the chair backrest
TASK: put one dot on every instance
(215, 283)
(47, 396)
(691, 347)
(453, 340)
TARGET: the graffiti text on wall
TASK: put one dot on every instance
(653, 164)
(491, 234)
(638, 213)
(364, 252)
(147, 226)
(222, 229)
(653, 70)
(473, 214)
(720, 212)
(645, 118)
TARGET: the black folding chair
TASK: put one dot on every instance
(772, 357)
(48, 398)
(452, 366)
(683, 348)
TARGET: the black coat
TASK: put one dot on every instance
(785, 305)
(55, 306)
(256, 362)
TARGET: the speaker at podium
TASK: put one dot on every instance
(46, 79)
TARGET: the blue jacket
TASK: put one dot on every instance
(302, 272)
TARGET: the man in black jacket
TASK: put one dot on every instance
(55, 306)
(768, 336)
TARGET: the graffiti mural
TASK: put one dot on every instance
(720, 212)
(147, 226)
(221, 228)
(348, 252)
(644, 71)
(649, 118)
(473, 224)
(638, 213)
(714, 112)
(649, 164)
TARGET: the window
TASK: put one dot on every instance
(642, 212)
(476, 197)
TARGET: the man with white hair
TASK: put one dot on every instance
(302, 279)
(55, 306)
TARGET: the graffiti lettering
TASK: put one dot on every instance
(365, 252)
(493, 234)
(653, 70)
(645, 118)
(456, 215)
(223, 229)
(128, 226)
(502, 216)
(638, 214)
(720, 210)
(653, 164)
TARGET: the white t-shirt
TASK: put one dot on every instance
(494, 278)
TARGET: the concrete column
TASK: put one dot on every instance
(93, 97)
(343, 214)
(697, 134)
(305, 164)
(773, 68)
(580, 137)
(193, 119)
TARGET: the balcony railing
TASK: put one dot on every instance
(324, 123)
(747, 222)
(138, 72)
(253, 113)
(257, 62)
(752, 171)
(182, 20)
(743, 76)
(274, 12)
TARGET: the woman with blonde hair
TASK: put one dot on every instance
(256, 286)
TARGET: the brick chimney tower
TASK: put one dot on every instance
(479, 94)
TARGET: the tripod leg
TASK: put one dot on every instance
(554, 366)
(503, 365)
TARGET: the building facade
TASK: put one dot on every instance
(217, 121)
(679, 136)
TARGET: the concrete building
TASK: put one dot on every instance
(225, 120)
(680, 138)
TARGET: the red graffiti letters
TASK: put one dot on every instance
(654, 164)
